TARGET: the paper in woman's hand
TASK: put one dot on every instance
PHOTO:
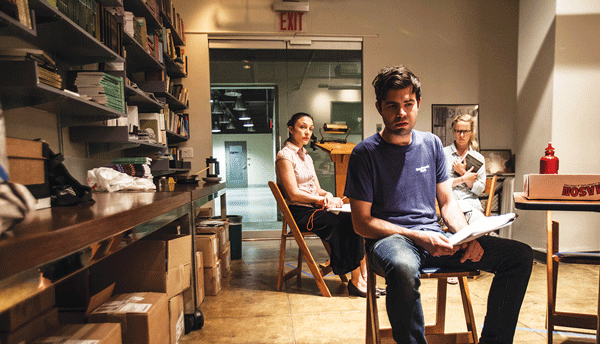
(343, 209)
(481, 227)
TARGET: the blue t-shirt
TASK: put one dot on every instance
(399, 181)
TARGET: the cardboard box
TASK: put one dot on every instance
(176, 322)
(199, 279)
(108, 333)
(162, 266)
(562, 186)
(27, 166)
(188, 301)
(208, 244)
(219, 230)
(144, 317)
(212, 279)
(33, 329)
(26, 310)
(225, 258)
(26, 161)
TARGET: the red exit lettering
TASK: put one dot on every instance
(290, 21)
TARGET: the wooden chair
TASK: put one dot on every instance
(553, 257)
(434, 333)
(303, 251)
(490, 190)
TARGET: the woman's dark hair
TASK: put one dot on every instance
(296, 117)
(395, 78)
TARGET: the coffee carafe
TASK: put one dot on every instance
(213, 167)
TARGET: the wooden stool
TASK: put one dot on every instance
(434, 333)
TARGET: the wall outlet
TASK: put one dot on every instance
(187, 152)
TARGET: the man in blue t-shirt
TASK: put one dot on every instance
(394, 178)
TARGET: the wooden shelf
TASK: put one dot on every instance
(139, 98)
(10, 27)
(58, 34)
(23, 89)
(50, 235)
(159, 88)
(139, 9)
(106, 139)
(174, 70)
(177, 39)
(138, 58)
(173, 137)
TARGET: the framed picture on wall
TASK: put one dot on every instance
(442, 116)
(498, 160)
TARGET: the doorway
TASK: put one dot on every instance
(256, 86)
(237, 167)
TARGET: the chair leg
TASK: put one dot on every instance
(299, 265)
(598, 317)
(281, 263)
(372, 313)
(468, 308)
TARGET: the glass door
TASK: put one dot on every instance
(257, 85)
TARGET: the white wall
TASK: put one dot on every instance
(463, 51)
(559, 66)
(576, 100)
(260, 156)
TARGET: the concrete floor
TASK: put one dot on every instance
(249, 309)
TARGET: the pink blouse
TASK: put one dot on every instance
(304, 169)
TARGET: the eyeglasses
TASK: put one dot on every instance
(459, 132)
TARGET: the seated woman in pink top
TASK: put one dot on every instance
(296, 172)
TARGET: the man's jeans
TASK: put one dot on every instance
(400, 261)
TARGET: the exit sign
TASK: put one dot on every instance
(290, 21)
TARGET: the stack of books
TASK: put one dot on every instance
(133, 166)
(47, 73)
(102, 88)
(49, 77)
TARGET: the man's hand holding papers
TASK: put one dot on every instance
(481, 227)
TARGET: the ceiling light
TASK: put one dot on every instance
(244, 116)
(230, 126)
(216, 108)
(249, 124)
(239, 104)
(224, 119)
(215, 128)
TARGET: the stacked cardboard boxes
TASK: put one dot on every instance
(29, 319)
(108, 333)
(143, 317)
(160, 263)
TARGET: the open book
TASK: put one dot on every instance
(481, 227)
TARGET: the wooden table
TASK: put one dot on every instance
(50, 235)
(554, 318)
(340, 154)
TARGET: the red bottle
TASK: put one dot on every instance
(549, 163)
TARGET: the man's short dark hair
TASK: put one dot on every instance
(395, 78)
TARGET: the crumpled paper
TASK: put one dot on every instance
(108, 179)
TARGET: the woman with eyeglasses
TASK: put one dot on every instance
(467, 184)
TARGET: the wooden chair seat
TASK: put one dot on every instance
(318, 272)
(434, 333)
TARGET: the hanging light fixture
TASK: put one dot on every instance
(217, 109)
(232, 93)
(251, 129)
(244, 116)
(215, 127)
(239, 104)
(230, 126)
(249, 123)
